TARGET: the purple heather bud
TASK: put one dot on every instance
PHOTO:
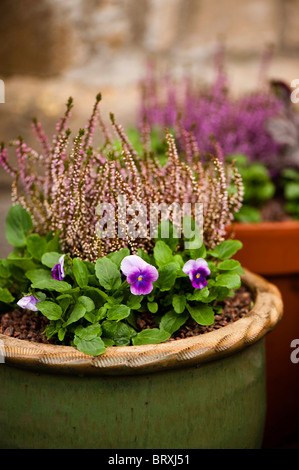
(58, 270)
(140, 274)
(28, 302)
(197, 271)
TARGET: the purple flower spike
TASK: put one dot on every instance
(58, 270)
(197, 271)
(140, 274)
(28, 302)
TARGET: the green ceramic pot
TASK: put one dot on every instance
(206, 392)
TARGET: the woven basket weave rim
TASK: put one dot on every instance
(263, 317)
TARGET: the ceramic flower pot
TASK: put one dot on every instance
(202, 392)
(272, 250)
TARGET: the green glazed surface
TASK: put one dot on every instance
(216, 405)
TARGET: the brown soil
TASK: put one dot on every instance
(233, 309)
(30, 326)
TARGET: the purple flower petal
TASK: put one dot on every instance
(189, 266)
(58, 270)
(141, 288)
(140, 274)
(197, 271)
(28, 302)
(131, 262)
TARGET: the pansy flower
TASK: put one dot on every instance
(197, 271)
(28, 302)
(140, 274)
(58, 270)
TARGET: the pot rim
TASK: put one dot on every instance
(127, 360)
(290, 225)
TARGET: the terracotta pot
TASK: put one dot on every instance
(202, 392)
(272, 250)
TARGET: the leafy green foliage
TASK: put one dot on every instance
(93, 307)
(258, 188)
(290, 183)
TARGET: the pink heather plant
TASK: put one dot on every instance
(63, 186)
(238, 125)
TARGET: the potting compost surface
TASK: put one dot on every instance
(30, 326)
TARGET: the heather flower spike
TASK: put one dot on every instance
(140, 274)
(58, 270)
(28, 302)
(197, 271)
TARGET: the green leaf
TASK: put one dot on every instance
(167, 276)
(123, 334)
(64, 301)
(228, 265)
(200, 295)
(23, 263)
(77, 312)
(151, 336)
(92, 347)
(96, 294)
(5, 296)
(53, 245)
(88, 332)
(171, 321)
(134, 301)
(109, 329)
(36, 275)
(108, 274)
(80, 272)
(198, 252)
(87, 302)
(61, 334)
(52, 285)
(50, 259)
(18, 226)
(118, 256)
(226, 249)
(36, 245)
(152, 306)
(231, 281)
(202, 314)
(118, 312)
(49, 309)
(162, 254)
(179, 303)
(4, 269)
(291, 190)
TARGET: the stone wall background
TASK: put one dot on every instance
(53, 49)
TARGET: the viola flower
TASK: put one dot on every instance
(28, 302)
(58, 270)
(197, 271)
(140, 274)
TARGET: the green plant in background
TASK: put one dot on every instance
(290, 185)
(258, 188)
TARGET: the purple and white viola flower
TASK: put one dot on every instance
(29, 302)
(58, 270)
(140, 274)
(197, 270)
